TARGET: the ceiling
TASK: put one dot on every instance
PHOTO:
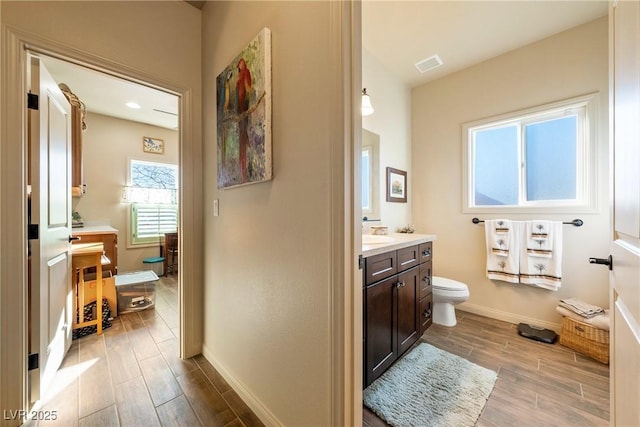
(397, 33)
(463, 33)
(108, 95)
(197, 4)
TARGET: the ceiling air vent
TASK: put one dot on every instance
(429, 64)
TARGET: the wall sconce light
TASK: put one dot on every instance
(367, 108)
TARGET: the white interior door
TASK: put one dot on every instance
(50, 180)
(625, 246)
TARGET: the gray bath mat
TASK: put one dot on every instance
(430, 387)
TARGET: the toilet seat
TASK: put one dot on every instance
(448, 284)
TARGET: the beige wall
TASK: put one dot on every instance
(109, 144)
(267, 256)
(391, 120)
(158, 42)
(568, 64)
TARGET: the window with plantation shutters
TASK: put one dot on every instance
(152, 221)
(152, 193)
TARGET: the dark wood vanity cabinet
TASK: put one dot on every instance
(407, 309)
(380, 328)
(397, 305)
(425, 299)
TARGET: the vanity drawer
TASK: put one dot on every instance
(426, 313)
(425, 279)
(378, 267)
(425, 252)
(408, 257)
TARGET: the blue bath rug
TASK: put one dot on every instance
(431, 387)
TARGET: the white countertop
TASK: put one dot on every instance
(400, 240)
(93, 229)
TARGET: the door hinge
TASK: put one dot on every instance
(360, 262)
(33, 232)
(32, 361)
(32, 101)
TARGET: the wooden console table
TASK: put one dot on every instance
(87, 255)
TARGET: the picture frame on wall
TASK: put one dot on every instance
(396, 185)
(243, 99)
(152, 145)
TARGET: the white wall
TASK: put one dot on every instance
(268, 256)
(391, 120)
(568, 64)
(109, 144)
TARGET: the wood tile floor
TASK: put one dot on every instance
(131, 375)
(538, 384)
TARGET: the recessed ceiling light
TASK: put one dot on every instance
(132, 105)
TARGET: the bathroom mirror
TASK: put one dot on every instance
(370, 176)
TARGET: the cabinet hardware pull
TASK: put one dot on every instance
(400, 285)
(426, 279)
(426, 253)
(427, 314)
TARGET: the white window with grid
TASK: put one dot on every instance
(540, 159)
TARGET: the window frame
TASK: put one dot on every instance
(586, 172)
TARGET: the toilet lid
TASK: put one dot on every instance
(448, 284)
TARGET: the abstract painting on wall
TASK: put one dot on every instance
(243, 95)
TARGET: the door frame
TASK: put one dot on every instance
(13, 207)
(346, 213)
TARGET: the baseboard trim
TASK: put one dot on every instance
(258, 408)
(506, 316)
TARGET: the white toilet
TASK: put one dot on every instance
(446, 294)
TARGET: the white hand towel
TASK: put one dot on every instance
(538, 238)
(502, 241)
(544, 272)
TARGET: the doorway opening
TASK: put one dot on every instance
(126, 197)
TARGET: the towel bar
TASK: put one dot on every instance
(576, 222)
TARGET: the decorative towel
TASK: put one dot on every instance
(544, 268)
(600, 321)
(580, 307)
(502, 238)
(538, 238)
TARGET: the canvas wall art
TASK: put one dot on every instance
(243, 95)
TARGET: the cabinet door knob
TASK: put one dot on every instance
(426, 253)
(400, 284)
(426, 279)
(427, 313)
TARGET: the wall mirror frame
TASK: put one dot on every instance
(370, 176)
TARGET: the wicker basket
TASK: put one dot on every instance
(585, 339)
